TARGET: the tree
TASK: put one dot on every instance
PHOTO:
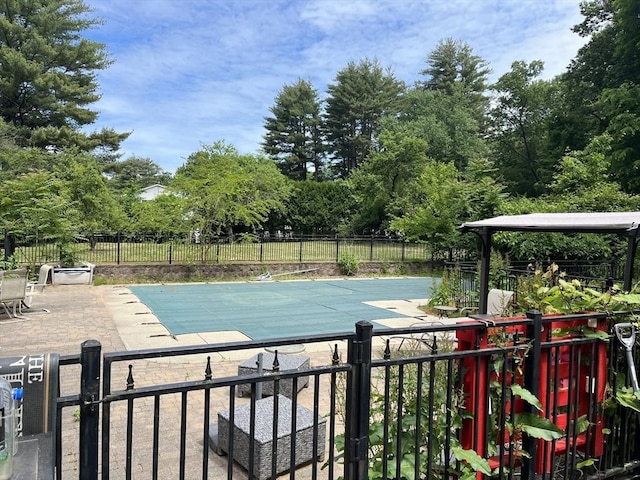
(47, 74)
(164, 214)
(34, 206)
(445, 122)
(361, 96)
(319, 207)
(293, 135)
(226, 190)
(435, 207)
(135, 173)
(453, 69)
(96, 209)
(519, 128)
(386, 177)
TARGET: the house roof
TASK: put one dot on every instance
(595, 222)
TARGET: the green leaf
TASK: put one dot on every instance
(474, 460)
(538, 427)
(587, 463)
(630, 298)
(599, 334)
(526, 395)
(627, 398)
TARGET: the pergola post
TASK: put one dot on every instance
(631, 256)
(485, 236)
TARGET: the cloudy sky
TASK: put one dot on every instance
(192, 72)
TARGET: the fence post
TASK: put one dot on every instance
(89, 409)
(301, 239)
(118, 249)
(357, 408)
(531, 382)
(337, 249)
(170, 253)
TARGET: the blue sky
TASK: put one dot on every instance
(192, 72)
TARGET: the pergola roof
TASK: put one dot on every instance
(621, 223)
(596, 222)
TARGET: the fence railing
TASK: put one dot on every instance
(433, 401)
(152, 249)
(465, 279)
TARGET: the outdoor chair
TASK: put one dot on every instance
(33, 288)
(498, 303)
(418, 339)
(13, 289)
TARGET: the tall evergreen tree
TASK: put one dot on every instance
(361, 96)
(47, 74)
(293, 135)
(453, 68)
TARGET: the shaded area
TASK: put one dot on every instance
(263, 310)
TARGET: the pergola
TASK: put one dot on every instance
(621, 223)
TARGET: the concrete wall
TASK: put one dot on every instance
(174, 273)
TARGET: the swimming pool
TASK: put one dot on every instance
(273, 309)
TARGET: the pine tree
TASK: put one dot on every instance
(47, 74)
(361, 96)
(293, 135)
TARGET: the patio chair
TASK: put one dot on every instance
(13, 289)
(418, 339)
(498, 303)
(33, 288)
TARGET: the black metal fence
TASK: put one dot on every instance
(116, 249)
(428, 402)
(465, 280)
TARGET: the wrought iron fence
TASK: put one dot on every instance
(116, 249)
(464, 277)
(429, 401)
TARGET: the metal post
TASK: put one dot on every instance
(358, 393)
(9, 245)
(118, 249)
(301, 239)
(337, 249)
(531, 382)
(485, 236)
(89, 409)
(631, 255)
(260, 365)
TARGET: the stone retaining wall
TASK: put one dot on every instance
(173, 273)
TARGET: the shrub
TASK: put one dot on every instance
(348, 263)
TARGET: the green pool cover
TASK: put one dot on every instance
(271, 309)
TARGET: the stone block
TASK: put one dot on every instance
(287, 362)
(263, 444)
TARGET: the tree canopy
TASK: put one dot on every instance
(47, 74)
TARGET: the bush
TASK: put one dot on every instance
(348, 263)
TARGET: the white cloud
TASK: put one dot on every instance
(195, 71)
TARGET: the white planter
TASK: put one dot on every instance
(82, 275)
